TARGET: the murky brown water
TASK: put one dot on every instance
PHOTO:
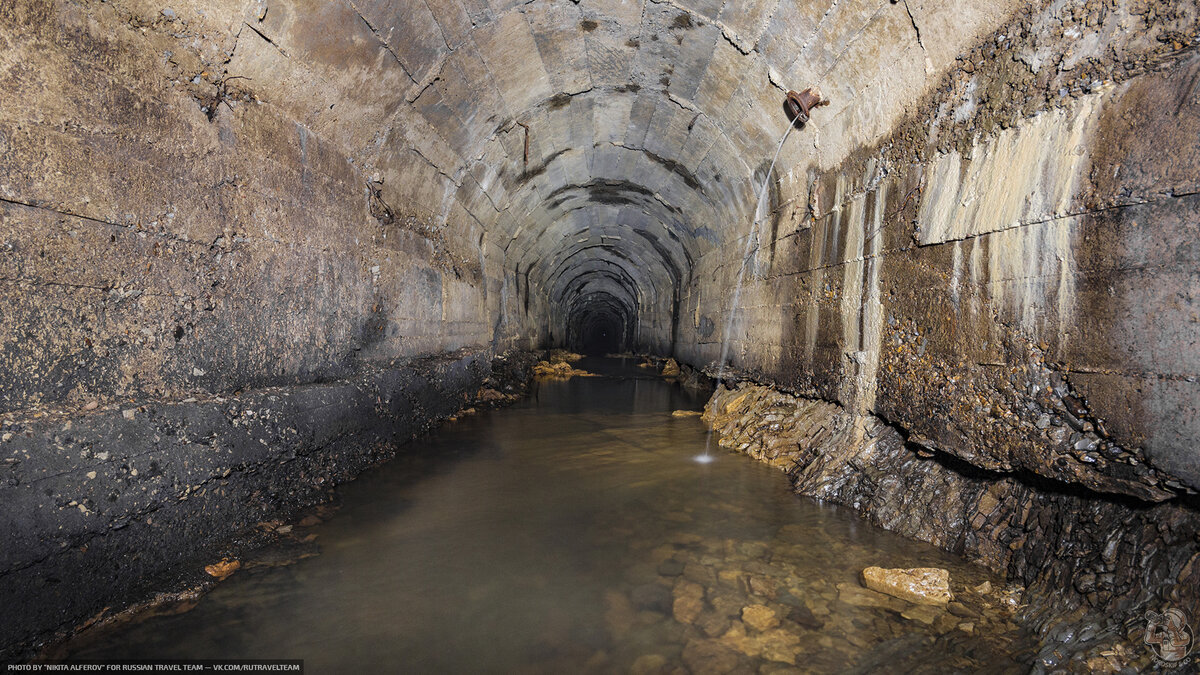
(574, 532)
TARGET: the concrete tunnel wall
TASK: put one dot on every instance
(209, 199)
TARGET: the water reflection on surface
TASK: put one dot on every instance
(574, 532)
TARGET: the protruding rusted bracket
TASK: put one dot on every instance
(800, 106)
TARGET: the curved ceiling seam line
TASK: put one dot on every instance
(612, 297)
(595, 266)
(594, 227)
(439, 68)
(511, 196)
(558, 270)
(615, 297)
(458, 182)
(586, 300)
(532, 241)
(567, 253)
(598, 306)
(609, 285)
(615, 273)
(647, 151)
(466, 164)
(646, 255)
(668, 223)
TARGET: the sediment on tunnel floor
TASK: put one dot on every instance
(1090, 564)
(112, 506)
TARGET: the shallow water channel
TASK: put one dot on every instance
(574, 532)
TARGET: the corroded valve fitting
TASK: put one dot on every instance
(799, 106)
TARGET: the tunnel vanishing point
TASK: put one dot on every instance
(249, 246)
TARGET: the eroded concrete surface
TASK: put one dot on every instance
(986, 241)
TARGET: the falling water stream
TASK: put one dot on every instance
(569, 534)
(751, 237)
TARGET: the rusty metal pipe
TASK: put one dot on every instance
(799, 106)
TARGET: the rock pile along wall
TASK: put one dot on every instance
(1085, 560)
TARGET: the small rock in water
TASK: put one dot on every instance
(689, 601)
(648, 664)
(959, 609)
(700, 574)
(92, 405)
(223, 569)
(709, 656)
(759, 617)
(805, 618)
(984, 588)
(670, 568)
(713, 623)
(921, 585)
(652, 597)
(857, 596)
(925, 614)
(619, 615)
(284, 530)
(129, 414)
(310, 521)
(670, 368)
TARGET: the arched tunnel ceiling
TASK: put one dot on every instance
(606, 143)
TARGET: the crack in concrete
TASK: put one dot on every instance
(850, 43)
(920, 43)
(383, 43)
(816, 29)
(726, 32)
(269, 41)
(99, 221)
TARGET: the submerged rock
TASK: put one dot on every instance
(559, 370)
(563, 356)
(670, 568)
(689, 601)
(857, 596)
(652, 597)
(648, 664)
(670, 368)
(759, 617)
(704, 657)
(922, 585)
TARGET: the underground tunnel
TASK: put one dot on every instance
(384, 335)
